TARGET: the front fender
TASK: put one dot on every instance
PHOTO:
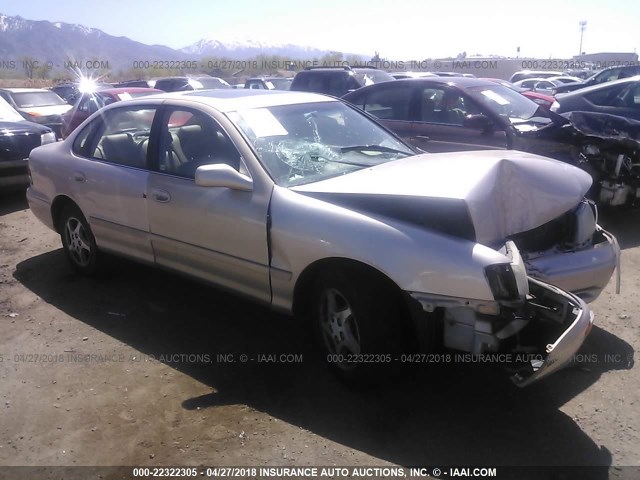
(305, 230)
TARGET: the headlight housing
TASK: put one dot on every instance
(502, 281)
(49, 137)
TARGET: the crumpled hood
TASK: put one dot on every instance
(482, 195)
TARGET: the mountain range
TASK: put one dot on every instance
(65, 45)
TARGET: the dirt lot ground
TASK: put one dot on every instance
(125, 370)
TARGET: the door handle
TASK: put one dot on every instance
(422, 137)
(79, 177)
(161, 196)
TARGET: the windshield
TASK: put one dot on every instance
(37, 99)
(309, 142)
(508, 104)
(7, 112)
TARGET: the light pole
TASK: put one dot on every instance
(583, 27)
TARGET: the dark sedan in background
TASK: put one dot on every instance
(609, 74)
(453, 114)
(620, 97)
(17, 138)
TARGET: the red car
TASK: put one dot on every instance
(91, 102)
(545, 101)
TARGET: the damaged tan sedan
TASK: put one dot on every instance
(306, 204)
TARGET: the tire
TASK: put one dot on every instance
(360, 324)
(78, 241)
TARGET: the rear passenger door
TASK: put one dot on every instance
(214, 233)
(391, 104)
(109, 178)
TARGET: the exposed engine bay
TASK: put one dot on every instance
(608, 147)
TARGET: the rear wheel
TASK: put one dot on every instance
(78, 241)
(360, 323)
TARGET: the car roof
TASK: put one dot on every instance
(545, 72)
(178, 77)
(118, 90)
(229, 100)
(455, 81)
(534, 79)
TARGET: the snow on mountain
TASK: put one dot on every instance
(242, 48)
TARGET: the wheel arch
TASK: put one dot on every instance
(57, 207)
(305, 282)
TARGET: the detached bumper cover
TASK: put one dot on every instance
(561, 351)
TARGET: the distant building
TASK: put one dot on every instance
(607, 57)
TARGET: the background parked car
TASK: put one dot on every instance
(566, 79)
(606, 75)
(17, 138)
(523, 74)
(181, 84)
(454, 74)
(268, 83)
(541, 85)
(453, 114)
(92, 102)
(37, 105)
(135, 83)
(403, 75)
(71, 91)
(337, 81)
(542, 99)
(619, 97)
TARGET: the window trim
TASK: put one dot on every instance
(162, 116)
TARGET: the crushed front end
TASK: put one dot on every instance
(572, 252)
(541, 326)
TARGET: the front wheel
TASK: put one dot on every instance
(360, 323)
(78, 241)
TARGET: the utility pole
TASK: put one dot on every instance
(583, 27)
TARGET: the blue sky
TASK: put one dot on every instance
(398, 30)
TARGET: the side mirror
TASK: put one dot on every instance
(222, 175)
(480, 121)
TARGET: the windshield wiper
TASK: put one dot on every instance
(372, 148)
(323, 159)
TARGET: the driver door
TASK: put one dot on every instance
(215, 233)
(443, 123)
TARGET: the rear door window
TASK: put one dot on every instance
(389, 103)
(121, 136)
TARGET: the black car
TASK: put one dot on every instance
(620, 97)
(453, 114)
(603, 76)
(337, 81)
(17, 138)
(134, 83)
